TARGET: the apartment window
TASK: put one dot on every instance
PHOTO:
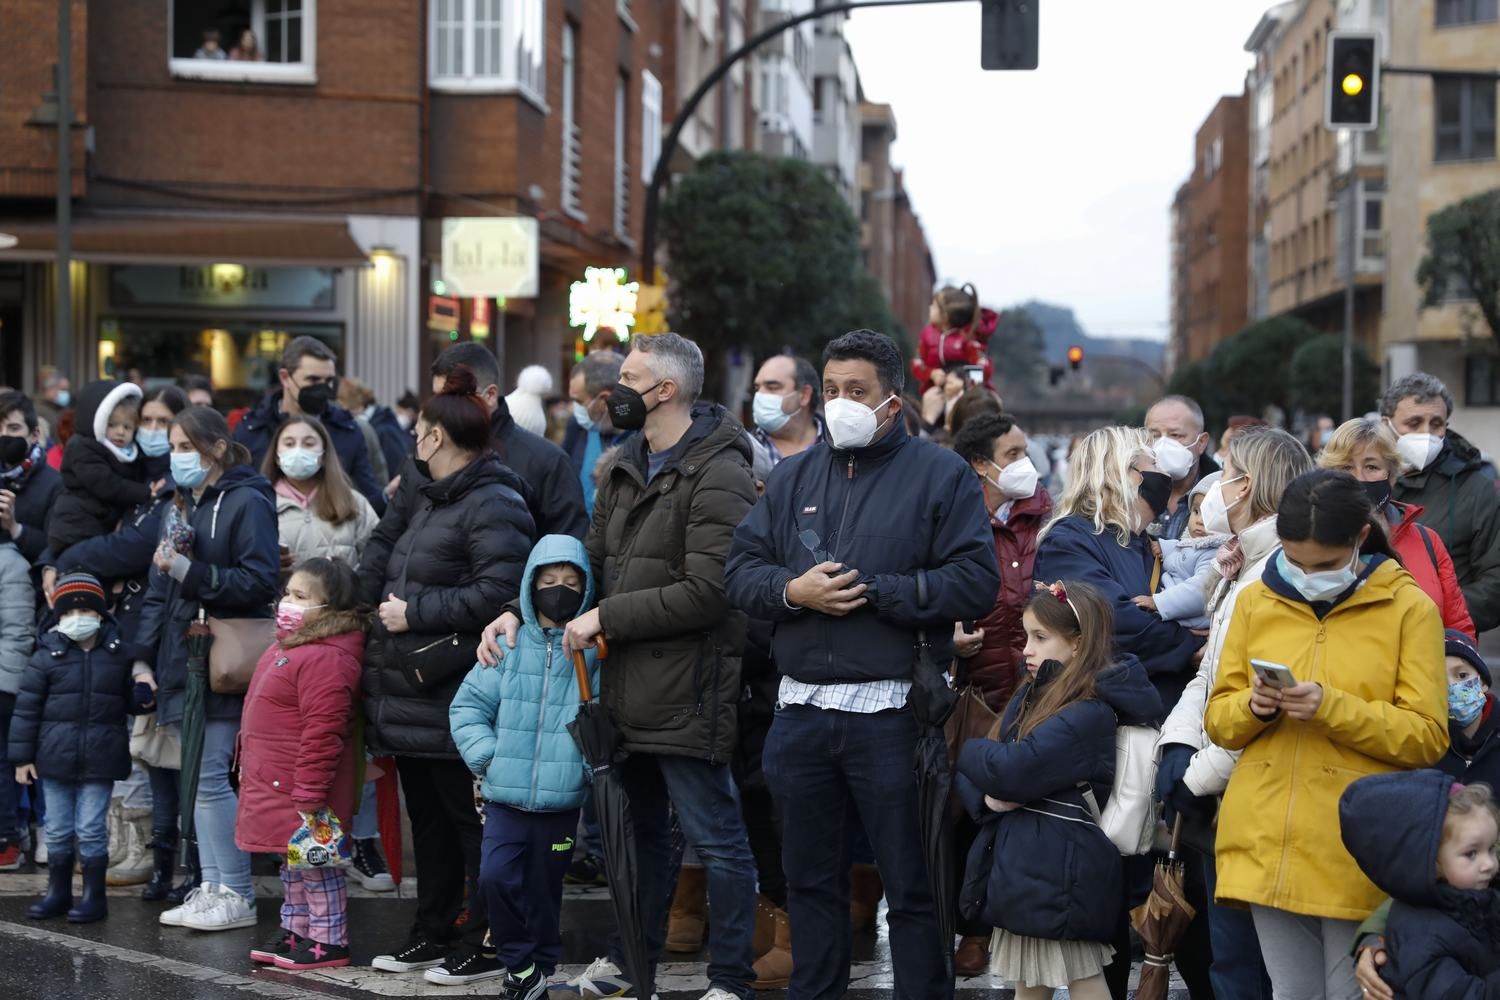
(262, 41)
(622, 167)
(572, 135)
(1465, 119)
(489, 46)
(1481, 380)
(1451, 12)
(650, 124)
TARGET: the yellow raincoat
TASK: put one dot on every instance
(1379, 657)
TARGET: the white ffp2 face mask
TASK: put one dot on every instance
(1214, 511)
(1017, 480)
(1174, 458)
(851, 424)
(1418, 450)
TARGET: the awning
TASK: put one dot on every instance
(290, 243)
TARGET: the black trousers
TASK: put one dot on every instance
(446, 836)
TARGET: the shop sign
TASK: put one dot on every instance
(222, 286)
(490, 258)
(603, 300)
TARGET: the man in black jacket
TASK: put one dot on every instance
(831, 557)
(309, 377)
(28, 485)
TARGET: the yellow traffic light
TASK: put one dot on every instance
(1353, 84)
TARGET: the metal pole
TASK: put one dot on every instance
(1350, 229)
(724, 140)
(63, 311)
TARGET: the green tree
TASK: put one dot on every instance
(1252, 369)
(765, 257)
(1019, 350)
(1463, 256)
(1317, 377)
(1197, 381)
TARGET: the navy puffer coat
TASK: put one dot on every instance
(1053, 873)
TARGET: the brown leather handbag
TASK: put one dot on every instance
(238, 645)
(972, 719)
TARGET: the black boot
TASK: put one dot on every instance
(59, 898)
(92, 906)
(191, 880)
(164, 863)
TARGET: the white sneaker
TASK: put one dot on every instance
(195, 900)
(601, 979)
(228, 911)
(718, 994)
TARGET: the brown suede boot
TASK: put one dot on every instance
(765, 927)
(972, 957)
(689, 915)
(865, 890)
(773, 970)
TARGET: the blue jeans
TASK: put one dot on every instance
(81, 810)
(1238, 971)
(366, 825)
(817, 762)
(10, 828)
(708, 809)
(223, 863)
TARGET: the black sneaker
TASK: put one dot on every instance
(586, 869)
(312, 955)
(369, 867)
(284, 942)
(416, 955)
(465, 965)
(530, 986)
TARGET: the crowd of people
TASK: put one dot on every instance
(213, 637)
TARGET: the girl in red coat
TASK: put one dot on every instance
(957, 334)
(297, 755)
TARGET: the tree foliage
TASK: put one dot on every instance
(1317, 377)
(1196, 380)
(1252, 369)
(766, 258)
(1463, 256)
(1019, 350)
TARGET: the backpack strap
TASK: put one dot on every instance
(1427, 541)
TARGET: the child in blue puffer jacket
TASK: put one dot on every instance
(510, 725)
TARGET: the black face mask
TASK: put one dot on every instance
(13, 450)
(559, 603)
(1378, 492)
(627, 408)
(314, 399)
(1156, 490)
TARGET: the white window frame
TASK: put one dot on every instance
(523, 29)
(650, 124)
(622, 158)
(572, 137)
(233, 71)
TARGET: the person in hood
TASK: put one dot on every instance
(862, 542)
(297, 755)
(1053, 889)
(217, 556)
(29, 487)
(510, 724)
(663, 520)
(1365, 695)
(1180, 441)
(1188, 566)
(1444, 475)
(1430, 843)
(956, 336)
(70, 729)
(103, 470)
(308, 383)
(1366, 449)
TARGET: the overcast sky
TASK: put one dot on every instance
(1056, 184)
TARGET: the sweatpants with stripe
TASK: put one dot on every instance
(315, 904)
(522, 863)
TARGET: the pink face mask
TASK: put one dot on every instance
(289, 617)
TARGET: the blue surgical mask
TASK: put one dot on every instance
(187, 469)
(64, 400)
(1466, 701)
(581, 416)
(153, 441)
(78, 627)
(767, 411)
(300, 463)
(1322, 586)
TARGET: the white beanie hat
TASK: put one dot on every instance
(526, 402)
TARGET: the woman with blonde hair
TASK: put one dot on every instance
(1366, 449)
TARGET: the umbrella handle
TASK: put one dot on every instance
(581, 668)
(1176, 838)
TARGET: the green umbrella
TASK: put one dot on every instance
(198, 642)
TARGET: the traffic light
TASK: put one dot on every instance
(1008, 32)
(1351, 81)
(1075, 357)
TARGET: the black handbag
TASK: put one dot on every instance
(428, 661)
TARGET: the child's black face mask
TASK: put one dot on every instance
(558, 603)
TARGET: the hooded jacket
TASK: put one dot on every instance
(232, 572)
(307, 535)
(1442, 943)
(890, 509)
(258, 427)
(1426, 558)
(510, 723)
(658, 550)
(99, 487)
(996, 669)
(1377, 652)
(297, 733)
(1054, 874)
(456, 564)
(1461, 504)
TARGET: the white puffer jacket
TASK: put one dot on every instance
(307, 535)
(1208, 774)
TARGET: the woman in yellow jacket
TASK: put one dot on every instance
(1364, 645)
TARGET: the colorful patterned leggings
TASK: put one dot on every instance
(316, 904)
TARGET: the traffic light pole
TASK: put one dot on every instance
(1351, 194)
(663, 168)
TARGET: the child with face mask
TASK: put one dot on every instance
(70, 728)
(510, 725)
(1187, 565)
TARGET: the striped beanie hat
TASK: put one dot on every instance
(79, 592)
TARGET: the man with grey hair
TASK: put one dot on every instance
(1445, 476)
(590, 434)
(1180, 443)
(663, 521)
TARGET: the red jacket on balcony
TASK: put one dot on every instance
(939, 351)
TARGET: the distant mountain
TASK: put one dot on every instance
(1061, 330)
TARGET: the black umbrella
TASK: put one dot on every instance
(599, 742)
(932, 700)
(198, 642)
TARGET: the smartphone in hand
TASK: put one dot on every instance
(1273, 675)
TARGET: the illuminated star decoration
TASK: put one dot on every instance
(603, 299)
